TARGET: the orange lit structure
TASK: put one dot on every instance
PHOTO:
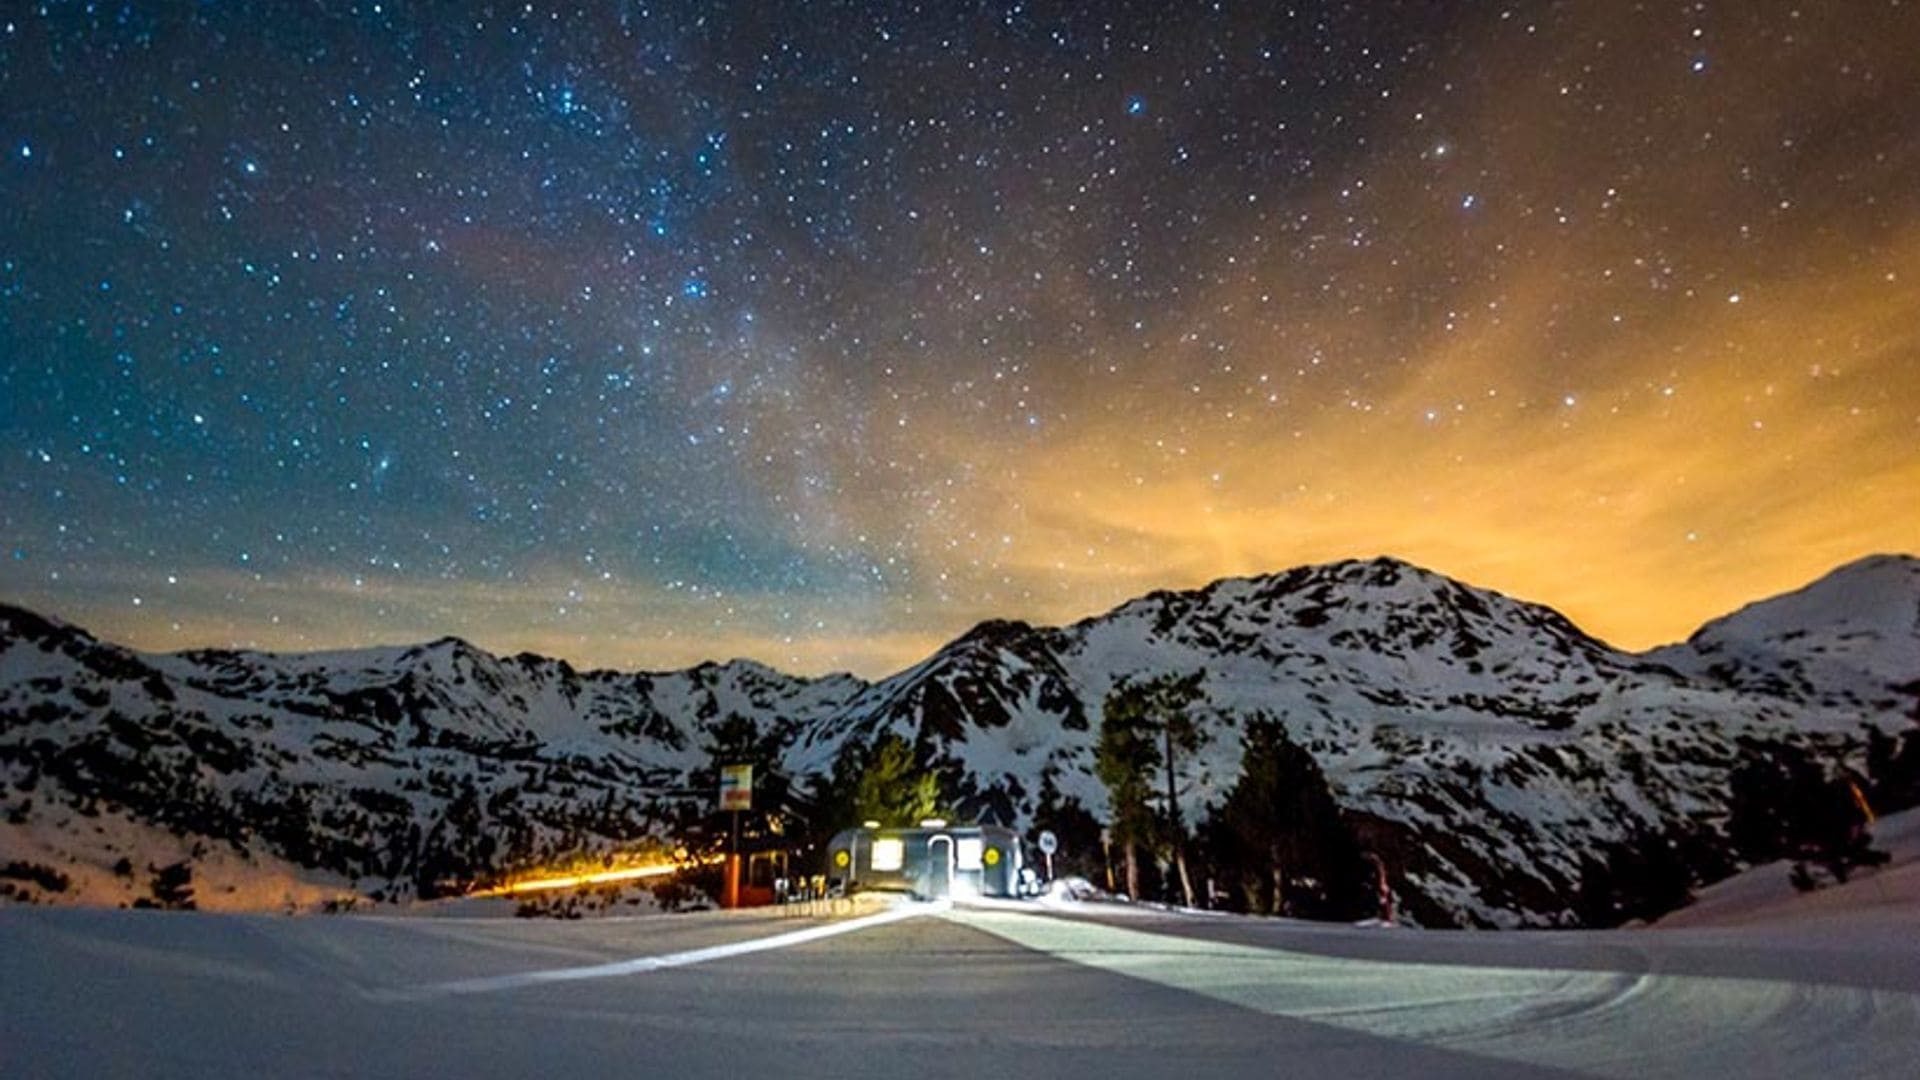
(754, 879)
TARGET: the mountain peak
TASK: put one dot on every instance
(1886, 566)
(995, 632)
(1842, 638)
(1878, 592)
(31, 624)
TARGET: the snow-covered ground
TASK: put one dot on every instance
(1886, 898)
(926, 990)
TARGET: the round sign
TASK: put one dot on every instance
(992, 856)
(841, 859)
(1048, 842)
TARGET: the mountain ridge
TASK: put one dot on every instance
(1485, 739)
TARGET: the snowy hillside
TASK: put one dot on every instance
(1485, 747)
(1885, 898)
(392, 771)
(1845, 641)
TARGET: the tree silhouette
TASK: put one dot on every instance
(1893, 764)
(893, 789)
(737, 740)
(1144, 726)
(878, 781)
(1123, 759)
(1785, 804)
(1296, 855)
(172, 887)
(1077, 831)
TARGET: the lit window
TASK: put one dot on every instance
(966, 852)
(889, 854)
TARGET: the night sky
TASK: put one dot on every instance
(816, 332)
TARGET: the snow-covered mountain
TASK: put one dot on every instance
(388, 770)
(1846, 641)
(1485, 747)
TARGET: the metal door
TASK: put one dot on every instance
(939, 869)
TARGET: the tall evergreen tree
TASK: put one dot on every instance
(1893, 769)
(1785, 803)
(1124, 758)
(893, 789)
(878, 781)
(1298, 855)
(1144, 728)
(737, 740)
(1076, 830)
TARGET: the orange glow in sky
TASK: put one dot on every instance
(1619, 315)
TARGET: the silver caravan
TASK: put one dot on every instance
(932, 860)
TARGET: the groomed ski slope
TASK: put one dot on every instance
(925, 990)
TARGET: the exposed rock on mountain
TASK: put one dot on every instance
(1484, 747)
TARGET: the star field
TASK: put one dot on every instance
(645, 333)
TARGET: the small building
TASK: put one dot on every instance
(932, 860)
(754, 879)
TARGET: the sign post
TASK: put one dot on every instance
(736, 787)
(736, 794)
(1049, 844)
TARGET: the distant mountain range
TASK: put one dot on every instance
(1484, 745)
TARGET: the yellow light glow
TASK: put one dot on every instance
(600, 877)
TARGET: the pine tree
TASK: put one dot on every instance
(1077, 831)
(172, 887)
(1297, 854)
(737, 740)
(1784, 803)
(1144, 728)
(893, 789)
(1124, 758)
(1893, 766)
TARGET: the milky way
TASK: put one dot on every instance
(815, 333)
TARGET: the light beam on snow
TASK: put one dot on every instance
(640, 964)
(1604, 1023)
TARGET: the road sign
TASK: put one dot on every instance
(736, 787)
(1049, 843)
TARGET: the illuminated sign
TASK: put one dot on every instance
(967, 852)
(736, 787)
